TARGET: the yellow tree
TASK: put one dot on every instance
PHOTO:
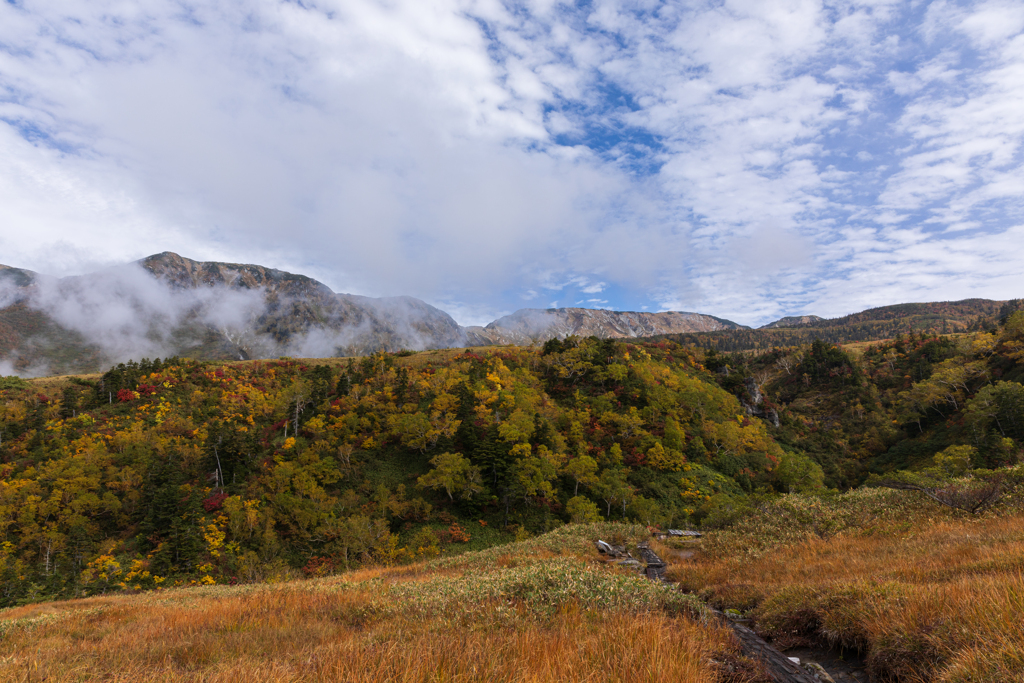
(455, 474)
(583, 469)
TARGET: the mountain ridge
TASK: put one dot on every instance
(791, 321)
(530, 325)
(167, 304)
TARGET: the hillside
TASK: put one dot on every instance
(252, 468)
(874, 324)
(303, 462)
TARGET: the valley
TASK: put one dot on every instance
(296, 453)
(290, 482)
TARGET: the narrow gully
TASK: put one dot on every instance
(837, 666)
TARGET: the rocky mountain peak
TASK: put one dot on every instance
(185, 273)
(529, 325)
(792, 321)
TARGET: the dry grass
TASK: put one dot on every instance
(944, 602)
(526, 618)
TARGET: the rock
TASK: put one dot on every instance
(816, 670)
(757, 408)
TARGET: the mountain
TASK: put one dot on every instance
(304, 317)
(945, 316)
(168, 305)
(792, 321)
(885, 322)
(529, 325)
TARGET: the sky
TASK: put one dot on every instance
(746, 159)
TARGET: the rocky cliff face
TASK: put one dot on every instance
(531, 325)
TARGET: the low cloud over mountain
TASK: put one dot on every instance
(169, 305)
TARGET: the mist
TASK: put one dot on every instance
(127, 312)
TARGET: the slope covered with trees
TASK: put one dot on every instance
(892, 404)
(178, 471)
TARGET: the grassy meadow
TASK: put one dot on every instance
(544, 609)
(924, 593)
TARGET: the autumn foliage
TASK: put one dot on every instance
(254, 471)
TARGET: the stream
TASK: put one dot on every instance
(794, 665)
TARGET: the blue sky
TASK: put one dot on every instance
(744, 159)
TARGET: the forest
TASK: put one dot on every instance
(179, 472)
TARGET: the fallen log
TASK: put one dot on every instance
(780, 667)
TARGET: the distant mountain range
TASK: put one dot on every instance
(530, 325)
(885, 322)
(169, 305)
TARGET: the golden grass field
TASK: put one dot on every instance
(926, 594)
(528, 613)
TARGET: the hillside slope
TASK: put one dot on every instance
(886, 322)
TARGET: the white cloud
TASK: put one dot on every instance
(409, 147)
(993, 22)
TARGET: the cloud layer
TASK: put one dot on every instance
(746, 159)
(89, 322)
